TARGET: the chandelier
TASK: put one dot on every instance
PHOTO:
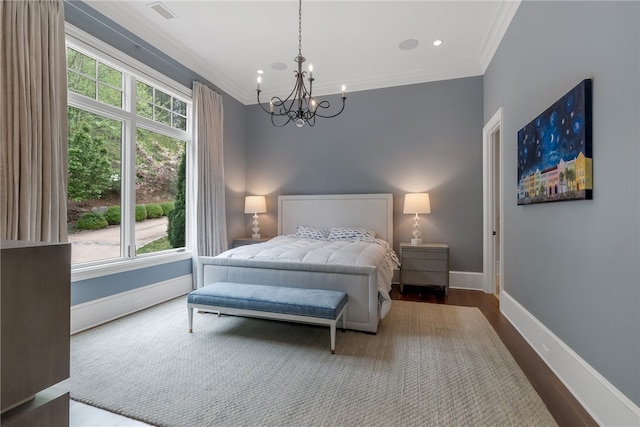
(299, 107)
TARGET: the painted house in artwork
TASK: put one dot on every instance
(566, 180)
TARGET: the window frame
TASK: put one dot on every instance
(132, 70)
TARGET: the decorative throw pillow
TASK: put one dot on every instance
(311, 232)
(351, 233)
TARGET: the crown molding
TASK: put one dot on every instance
(500, 25)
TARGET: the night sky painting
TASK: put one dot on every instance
(555, 151)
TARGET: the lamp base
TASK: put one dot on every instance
(255, 236)
(416, 241)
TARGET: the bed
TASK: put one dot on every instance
(361, 266)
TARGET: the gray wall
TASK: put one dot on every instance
(425, 137)
(574, 265)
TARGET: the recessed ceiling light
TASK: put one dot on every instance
(437, 42)
(279, 66)
(408, 44)
(260, 72)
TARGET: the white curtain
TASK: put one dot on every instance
(33, 121)
(211, 222)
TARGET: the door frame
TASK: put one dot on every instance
(488, 172)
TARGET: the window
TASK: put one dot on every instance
(129, 139)
(89, 77)
(94, 186)
(161, 107)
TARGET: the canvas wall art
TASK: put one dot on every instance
(555, 160)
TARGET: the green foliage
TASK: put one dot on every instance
(177, 217)
(89, 168)
(92, 221)
(106, 129)
(154, 210)
(157, 160)
(95, 147)
(167, 207)
(112, 215)
(141, 212)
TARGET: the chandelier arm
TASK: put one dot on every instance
(332, 115)
(280, 104)
(312, 121)
(283, 109)
(277, 125)
(292, 98)
(260, 104)
(273, 114)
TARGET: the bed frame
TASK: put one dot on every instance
(374, 211)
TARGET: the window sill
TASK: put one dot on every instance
(119, 266)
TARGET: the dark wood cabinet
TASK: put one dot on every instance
(35, 299)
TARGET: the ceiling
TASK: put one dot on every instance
(355, 42)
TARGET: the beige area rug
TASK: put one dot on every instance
(429, 365)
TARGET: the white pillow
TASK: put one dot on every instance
(311, 232)
(351, 233)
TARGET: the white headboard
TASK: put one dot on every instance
(374, 211)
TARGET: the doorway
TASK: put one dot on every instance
(492, 206)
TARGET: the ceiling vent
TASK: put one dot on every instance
(162, 10)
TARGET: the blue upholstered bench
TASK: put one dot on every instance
(317, 306)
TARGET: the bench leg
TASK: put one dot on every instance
(344, 319)
(190, 319)
(332, 326)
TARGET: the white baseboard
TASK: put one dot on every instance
(97, 312)
(604, 402)
(457, 280)
(466, 280)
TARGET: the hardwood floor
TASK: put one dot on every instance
(561, 404)
(566, 410)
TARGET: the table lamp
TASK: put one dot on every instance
(255, 205)
(416, 203)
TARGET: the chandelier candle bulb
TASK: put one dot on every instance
(259, 81)
(344, 93)
(310, 71)
(271, 106)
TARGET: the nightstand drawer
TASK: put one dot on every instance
(424, 277)
(241, 241)
(424, 254)
(424, 264)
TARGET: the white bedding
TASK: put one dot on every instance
(363, 252)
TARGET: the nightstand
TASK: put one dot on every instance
(424, 265)
(241, 241)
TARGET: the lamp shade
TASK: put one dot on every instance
(416, 203)
(255, 204)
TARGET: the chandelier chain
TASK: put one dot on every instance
(300, 29)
